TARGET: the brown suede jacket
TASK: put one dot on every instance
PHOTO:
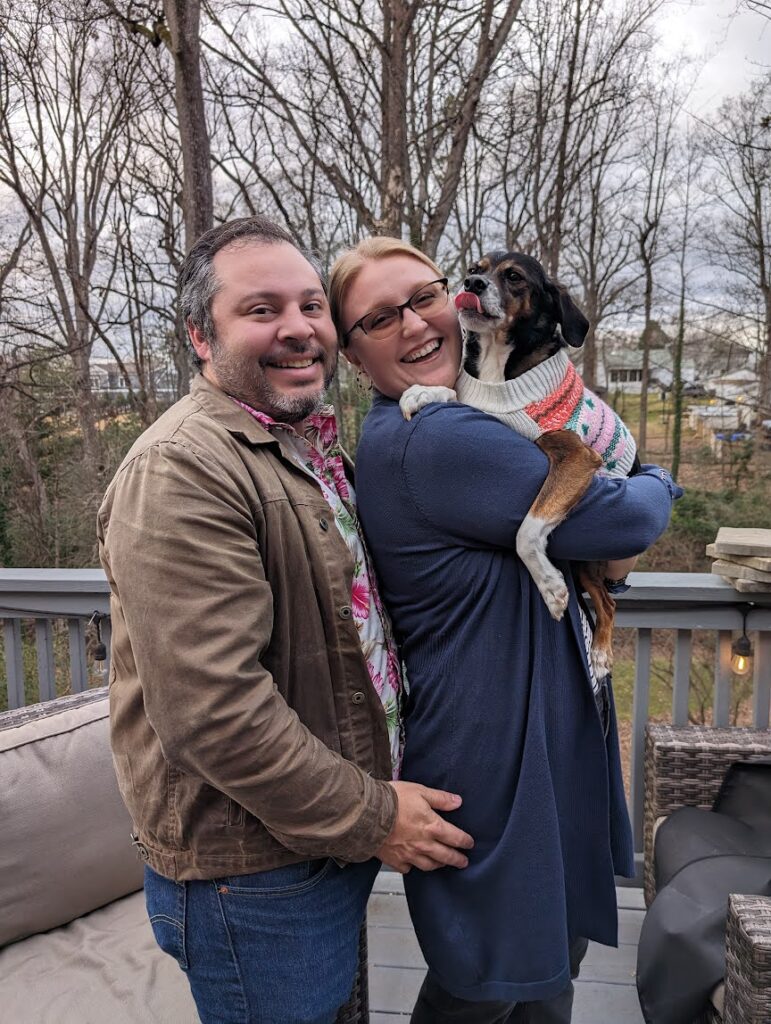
(245, 729)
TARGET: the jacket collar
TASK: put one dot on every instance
(238, 421)
(222, 408)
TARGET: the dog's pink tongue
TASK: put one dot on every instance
(468, 300)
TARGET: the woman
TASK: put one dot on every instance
(501, 707)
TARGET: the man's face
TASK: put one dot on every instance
(275, 346)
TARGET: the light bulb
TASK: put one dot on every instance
(740, 665)
(741, 655)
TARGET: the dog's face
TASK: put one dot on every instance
(508, 302)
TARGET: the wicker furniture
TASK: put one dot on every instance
(684, 767)
(356, 1010)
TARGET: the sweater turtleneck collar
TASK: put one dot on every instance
(513, 395)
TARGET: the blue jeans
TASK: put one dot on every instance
(274, 947)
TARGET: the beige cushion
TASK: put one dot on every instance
(64, 842)
(105, 967)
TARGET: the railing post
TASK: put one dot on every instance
(682, 683)
(44, 644)
(761, 691)
(639, 718)
(78, 663)
(14, 664)
(721, 703)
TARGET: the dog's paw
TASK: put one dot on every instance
(418, 396)
(555, 593)
(602, 662)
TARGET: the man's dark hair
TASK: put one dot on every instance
(198, 283)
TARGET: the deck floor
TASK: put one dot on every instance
(605, 991)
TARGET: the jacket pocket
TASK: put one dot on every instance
(167, 909)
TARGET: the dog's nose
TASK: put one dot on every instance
(474, 283)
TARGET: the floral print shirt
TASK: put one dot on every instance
(318, 453)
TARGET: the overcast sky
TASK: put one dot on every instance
(735, 43)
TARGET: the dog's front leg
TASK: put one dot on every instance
(572, 467)
(417, 396)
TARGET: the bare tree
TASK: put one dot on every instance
(599, 248)
(758, 6)
(184, 20)
(662, 105)
(177, 26)
(690, 167)
(381, 98)
(738, 145)
(574, 70)
(62, 112)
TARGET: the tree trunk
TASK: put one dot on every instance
(84, 404)
(183, 18)
(677, 380)
(397, 21)
(589, 363)
(642, 433)
(553, 249)
(764, 387)
(677, 355)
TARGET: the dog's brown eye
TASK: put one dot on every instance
(513, 275)
(471, 270)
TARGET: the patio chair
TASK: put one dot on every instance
(684, 767)
(75, 942)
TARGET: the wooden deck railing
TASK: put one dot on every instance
(50, 598)
(681, 602)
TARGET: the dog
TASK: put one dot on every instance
(517, 325)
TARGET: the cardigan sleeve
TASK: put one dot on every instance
(475, 478)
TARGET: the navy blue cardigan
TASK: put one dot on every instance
(501, 709)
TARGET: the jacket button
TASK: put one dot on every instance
(323, 523)
(358, 697)
(345, 612)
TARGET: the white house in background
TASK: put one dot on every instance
(737, 386)
(621, 370)
(108, 379)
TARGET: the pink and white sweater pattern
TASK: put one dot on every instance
(552, 396)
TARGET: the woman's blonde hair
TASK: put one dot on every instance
(348, 267)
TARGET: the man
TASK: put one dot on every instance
(254, 689)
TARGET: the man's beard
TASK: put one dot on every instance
(243, 377)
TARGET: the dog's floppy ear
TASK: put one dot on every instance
(573, 323)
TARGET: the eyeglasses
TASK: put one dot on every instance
(382, 323)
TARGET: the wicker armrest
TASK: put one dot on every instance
(34, 712)
(684, 768)
(356, 1010)
(748, 961)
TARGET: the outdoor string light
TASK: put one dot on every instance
(100, 649)
(741, 648)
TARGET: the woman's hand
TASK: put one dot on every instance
(619, 568)
(420, 837)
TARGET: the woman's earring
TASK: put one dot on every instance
(363, 382)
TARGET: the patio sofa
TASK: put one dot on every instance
(684, 767)
(75, 943)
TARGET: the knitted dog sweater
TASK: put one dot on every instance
(552, 396)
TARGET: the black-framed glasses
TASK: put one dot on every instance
(382, 323)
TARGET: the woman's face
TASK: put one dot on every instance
(421, 350)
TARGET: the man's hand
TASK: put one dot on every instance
(420, 837)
